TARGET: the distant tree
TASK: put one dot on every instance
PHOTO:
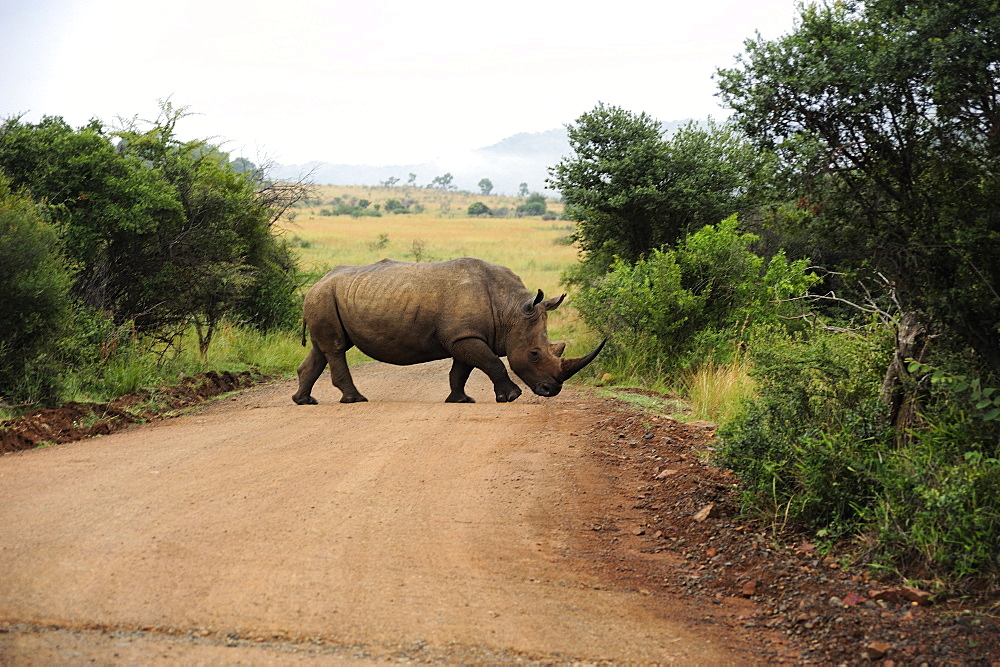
(389, 182)
(442, 182)
(486, 187)
(363, 203)
(241, 165)
(522, 190)
(535, 205)
(478, 209)
(395, 206)
(411, 179)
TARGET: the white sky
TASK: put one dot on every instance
(371, 81)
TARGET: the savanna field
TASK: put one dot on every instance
(537, 250)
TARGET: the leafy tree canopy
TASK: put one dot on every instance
(631, 189)
(884, 117)
(160, 232)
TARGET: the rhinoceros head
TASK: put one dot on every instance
(532, 357)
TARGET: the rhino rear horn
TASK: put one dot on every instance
(570, 367)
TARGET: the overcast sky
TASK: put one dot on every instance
(371, 81)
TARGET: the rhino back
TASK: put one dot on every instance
(405, 313)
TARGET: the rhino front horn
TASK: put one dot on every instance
(570, 367)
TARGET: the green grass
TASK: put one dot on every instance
(718, 391)
(443, 230)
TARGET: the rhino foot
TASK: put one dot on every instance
(353, 398)
(308, 400)
(459, 398)
(508, 395)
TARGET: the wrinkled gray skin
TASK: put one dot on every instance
(401, 313)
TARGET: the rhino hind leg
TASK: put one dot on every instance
(309, 371)
(312, 367)
(473, 352)
(458, 376)
(341, 376)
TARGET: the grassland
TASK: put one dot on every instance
(533, 248)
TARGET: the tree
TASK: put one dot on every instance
(161, 232)
(535, 205)
(106, 205)
(37, 308)
(442, 182)
(411, 179)
(883, 116)
(479, 208)
(522, 190)
(389, 182)
(485, 187)
(632, 190)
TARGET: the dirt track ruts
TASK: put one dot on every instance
(258, 530)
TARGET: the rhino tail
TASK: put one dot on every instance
(303, 332)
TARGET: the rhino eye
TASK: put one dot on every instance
(534, 355)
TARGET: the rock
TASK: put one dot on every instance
(699, 423)
(749, 588)
(638, 531)
(853, 598)
(666, 473)
(886, 595)
(648, 436)
(875, 650)
(704, 513)
(913, 594)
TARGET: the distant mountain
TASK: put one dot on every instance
(522, 158)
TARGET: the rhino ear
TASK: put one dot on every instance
(557, 349)
(553, 303)
(528, 307)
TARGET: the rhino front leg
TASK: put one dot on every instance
(476, 353)
(309, 371)
(458, 376)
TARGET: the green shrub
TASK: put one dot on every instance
(478, 208)
(814, 450)
(699, 301)
(534, 205)
(38, 315)
(807, 450)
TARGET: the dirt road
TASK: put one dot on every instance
(257, 530)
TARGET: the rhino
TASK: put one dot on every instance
(402, 313)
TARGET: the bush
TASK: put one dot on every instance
(698, 301)
(814, 450)
(38, 316)
(807, 449)
(479, 208)
(534, 205)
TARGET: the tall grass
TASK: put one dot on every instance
(142, 364)
(718, 391)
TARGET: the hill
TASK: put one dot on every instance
(521, 158)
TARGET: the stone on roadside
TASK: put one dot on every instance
(704, 513)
